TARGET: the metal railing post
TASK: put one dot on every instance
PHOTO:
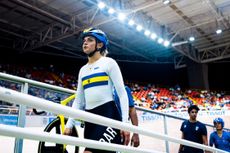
(21, 121)
(166, 132)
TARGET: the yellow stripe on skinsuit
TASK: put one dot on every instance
(95, 79)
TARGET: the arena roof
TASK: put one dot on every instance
(53, 27)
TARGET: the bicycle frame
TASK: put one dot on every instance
(62, 117)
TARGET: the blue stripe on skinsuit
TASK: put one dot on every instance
(94, 75)
(95, 84)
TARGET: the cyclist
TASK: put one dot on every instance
(94, 93)
(220, 138)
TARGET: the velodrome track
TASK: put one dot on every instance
(153, 123)
(147, 122)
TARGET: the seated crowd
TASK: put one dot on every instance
(146, 95)
(171, 99)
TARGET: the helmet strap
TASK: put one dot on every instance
(95, 50)
(92, 53)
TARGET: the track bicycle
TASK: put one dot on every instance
(58, 125)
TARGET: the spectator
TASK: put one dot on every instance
(194, 131)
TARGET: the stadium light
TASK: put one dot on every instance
(166, 43)
(121, 16)
(160, 40)
(166, 2)
(147, 32)
(111, 11)
(101, 5)
(131, 22)
(153, 36)
(191, 38)
(218, 31)
(139, 28)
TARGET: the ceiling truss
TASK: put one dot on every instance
(59, 27)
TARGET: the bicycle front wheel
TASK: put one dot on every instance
(55, 127)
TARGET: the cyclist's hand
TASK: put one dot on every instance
(67, 131)
(125, 135)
